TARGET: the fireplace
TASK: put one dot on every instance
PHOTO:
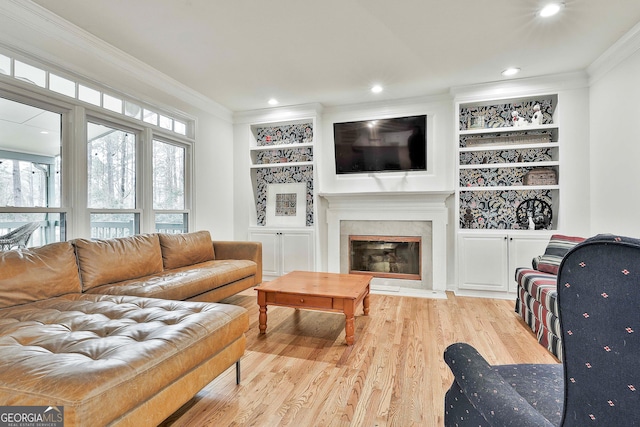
(415, 214)
(395, 257)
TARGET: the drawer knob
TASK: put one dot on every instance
(301, 299)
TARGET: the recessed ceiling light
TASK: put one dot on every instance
(510, 72)
(376, 89)
(273, 101)
(550, 9)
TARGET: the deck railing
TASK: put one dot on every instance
(49, 231)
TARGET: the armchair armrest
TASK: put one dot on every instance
(488, 392)
(251, 251)
(535, 261)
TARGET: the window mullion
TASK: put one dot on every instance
(145, 179)
(75, 188)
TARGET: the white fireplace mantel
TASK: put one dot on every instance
(391, 206)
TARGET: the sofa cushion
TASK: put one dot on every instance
(35, 274)
(557, 248)
(184, 282)
(180, 250)
(541, 286)
(99, 356)
(114, 260)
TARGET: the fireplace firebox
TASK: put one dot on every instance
(396, 257)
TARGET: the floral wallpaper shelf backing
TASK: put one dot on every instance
(290, 161)
(285, 134)
(499, 115)
(495, 209)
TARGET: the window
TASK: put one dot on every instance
(169, 187)
(30, 165)
(111, 166)
(30, 74)
(137, 157)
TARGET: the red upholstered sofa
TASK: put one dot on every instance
(536, 299)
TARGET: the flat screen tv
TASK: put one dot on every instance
(383, 145)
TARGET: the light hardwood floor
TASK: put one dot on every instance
(301, 373)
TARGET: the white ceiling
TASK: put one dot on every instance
(241, 53)
(28, 129)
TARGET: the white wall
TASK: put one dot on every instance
(574, 216)
(214, 193)
(615, 150)
(438, 177)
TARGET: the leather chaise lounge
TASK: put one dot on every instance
(112, 359)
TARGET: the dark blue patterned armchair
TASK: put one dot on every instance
(599, 382)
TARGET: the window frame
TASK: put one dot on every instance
(75, 116)
(137, 210)
(144, 211)
(188, 179)
(24, 97)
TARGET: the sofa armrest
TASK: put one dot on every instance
(488, 392)
(251, 251)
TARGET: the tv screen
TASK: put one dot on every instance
(384, 145)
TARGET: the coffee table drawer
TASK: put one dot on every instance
(304, 300)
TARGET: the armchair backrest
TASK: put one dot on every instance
(599, 300)
(18, 236)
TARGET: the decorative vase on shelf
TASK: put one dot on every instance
(517, 120)
(537, 115)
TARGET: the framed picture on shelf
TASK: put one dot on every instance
(286, 205)
(476, 122)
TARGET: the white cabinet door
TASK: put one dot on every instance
(522, 249)
(297, 251)
(284, 250)
(482, 262)
(487, 262)
(270, 251)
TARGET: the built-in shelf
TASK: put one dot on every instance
(508, 129)
(281, 146)
(511, 165)
(508, 147)
(511, 188)
(280, 165)
(281, 153)
(496, 162)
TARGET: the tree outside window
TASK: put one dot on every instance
(169, 187)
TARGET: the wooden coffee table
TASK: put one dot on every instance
(317, 291)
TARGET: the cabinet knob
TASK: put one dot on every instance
(301, 299)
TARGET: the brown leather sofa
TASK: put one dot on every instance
(186, 267)
(115, 359)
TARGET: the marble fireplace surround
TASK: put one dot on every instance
(405, 213)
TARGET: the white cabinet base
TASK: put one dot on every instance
(487, 261)
(284, 250)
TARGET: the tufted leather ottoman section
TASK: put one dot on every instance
(105, 357)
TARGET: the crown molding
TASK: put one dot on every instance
(521, 87)
(38, 20)
(276, 114)
(392, 106)
(622, 49)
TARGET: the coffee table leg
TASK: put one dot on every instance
(349, 323)
(365, 304)
(262, 317)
